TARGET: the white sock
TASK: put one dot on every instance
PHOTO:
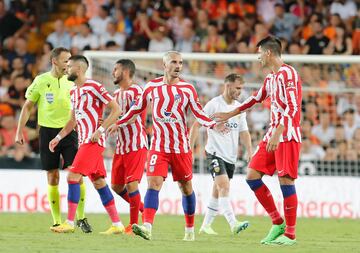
(148, 226)
(70, 222)
(117, 224)
(190, 229)
(211, 212)
(227, 211)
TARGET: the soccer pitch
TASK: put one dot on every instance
(30, 233)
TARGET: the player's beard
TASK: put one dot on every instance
(118, 79)
(72, 77)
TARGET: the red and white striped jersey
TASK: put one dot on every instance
(88, 103)
(131, 137)
(284, 89)
(170, 104)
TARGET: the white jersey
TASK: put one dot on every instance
(225, 146)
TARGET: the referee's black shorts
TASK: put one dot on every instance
(218, 166)
(67, 148)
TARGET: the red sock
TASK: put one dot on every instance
(266, 200)
(189, 220)
(141, 207)
(135, 201)
(149, 215)
(290, 208)
(71, 210)
(111, 210)
(125, 195)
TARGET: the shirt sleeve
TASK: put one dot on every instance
(32, 92)
(198, 111)
(288, 83)
(257, 97)
(137, 108)
(102, 94)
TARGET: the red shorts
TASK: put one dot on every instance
(285, 159)
(128, 167)
(181, 165)
(89, 161)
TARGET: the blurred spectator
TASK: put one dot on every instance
(84, 40)
(73, 22)
(310, 151)
(350, 125)
(7, 136)
(300, 9)
(185, 43)
(93, 6)
(16, 93)
(124, 24)
(201, 24)
(331, 154)
(10, 25)
(261, 32)
(44, 63)
(20, 50)
(177, 22)
(98, 23)
(356, 34)
(308, 27)
(318, 42)
(240, 8)
(112, 35)
(216, 9)
(266, 10)
(213, 42)
(346, 9)
(229, 30)
(159, 41)
(284, 24)
(334, 21)
(18, 68)
(340, 44)
(324, 131)
(59, 38)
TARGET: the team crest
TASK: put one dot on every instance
(167, 114)
(290, 84)
(177, 98)
(49, 97)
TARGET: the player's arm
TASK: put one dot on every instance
(139, 106)
(194, 132)
(291, 108)
(255, 98)
(111, 119)
(24, 117)
(246, 141)
(70, 125)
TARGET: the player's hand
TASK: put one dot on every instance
(95, 136)
(273, 143)
(112, 129)
(221, 128)
(19, 138)
(249, 155)
(220, 116)
(53, 143)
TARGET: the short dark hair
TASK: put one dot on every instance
(57, 51)
(233, 77)
(79, 58)
(128, 64)
(271, 43)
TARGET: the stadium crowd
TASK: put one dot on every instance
(331, 123)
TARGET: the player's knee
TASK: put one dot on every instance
(155, 183)
(53, 177)
(117, 188)
(223, 189)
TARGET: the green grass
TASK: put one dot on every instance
(30, 233)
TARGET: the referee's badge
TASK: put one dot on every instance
(49, 97)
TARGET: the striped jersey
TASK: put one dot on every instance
(88, 103)
(170, 104)
(130, 137)
(284, 90)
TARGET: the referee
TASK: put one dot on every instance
(51, 92)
